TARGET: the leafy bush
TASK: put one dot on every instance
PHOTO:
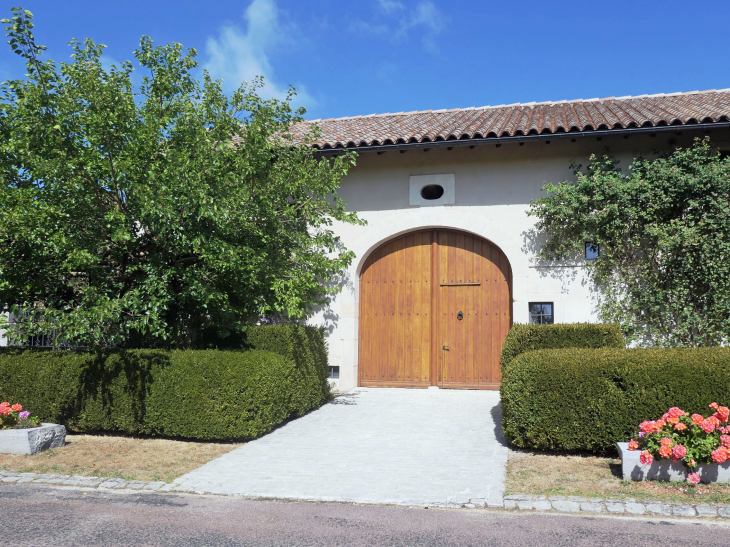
(204, 395)
(589, 399)
(522, 338)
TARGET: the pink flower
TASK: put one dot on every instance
(680, 427)
(666, 441)
(5, 411)
(725, 440)
(697, 419)
(719, 455)
(694, 478)
(707, 426)
(646, 427)
(723, 413)
(692, 463)
(645, 457)
(24, 415)
(665, 451)
(633, 445)
(679, 451)
(675, 412)
(17, 407)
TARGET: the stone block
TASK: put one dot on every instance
(577, 498)
(706, 511)
(510, 504)
(566, 506)
(518, 497)
(635, 508)
(683, 511)
(32, 441)
(667, 470)
(524, 505)
(542, 505)
(495, 502)
(156, 485)
(615, 507)
(588, 507)
(724, 512)
(659, 509)
(557, 498)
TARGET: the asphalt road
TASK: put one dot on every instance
(37, 516)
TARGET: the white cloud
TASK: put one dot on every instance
(238, 55)
(423, 17)
(389, 6)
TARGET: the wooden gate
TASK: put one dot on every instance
(435, 307)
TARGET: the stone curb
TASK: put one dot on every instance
(516, 502)
(100, 483)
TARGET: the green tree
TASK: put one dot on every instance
(664, 235)
(150, 214)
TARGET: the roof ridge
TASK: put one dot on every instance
(515, 105)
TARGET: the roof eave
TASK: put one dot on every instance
(524, 138)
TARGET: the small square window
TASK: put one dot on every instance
(592, 250)
(541, 313)
(334, 372)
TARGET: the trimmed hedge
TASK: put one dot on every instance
(205, 395)
(589, 399)
(522, 338)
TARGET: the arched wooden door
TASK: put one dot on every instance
(415, 332)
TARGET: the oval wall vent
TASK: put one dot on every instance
(432, 191)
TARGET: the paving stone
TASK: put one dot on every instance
(304, 459)
(706, 511)
(635, 508)
(659, 509)
(518, 497)
(27, 474)
(539, 498)
(595, 500)
(24, 479)
(135, 485)
(615, 507)
(10, 479)
(524, 505)
(588, 507)
(168, 487)
(470, 505)
(724, 512)
(479, 502)
(118, 485)
(510, 504)
(542, 505)
(495, 502)
(566, 506)
(683, 511)
(156, 485)
(577, 498)
(557, 498)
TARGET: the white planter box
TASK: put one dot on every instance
(667, 470)
(33, 440)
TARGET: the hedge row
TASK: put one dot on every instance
(589, 399)
(522, 338)
(206, 395)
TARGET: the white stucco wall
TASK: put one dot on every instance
(493, 189)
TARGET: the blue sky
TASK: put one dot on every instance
(372, 56)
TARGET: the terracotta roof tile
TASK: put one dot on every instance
(521, 119)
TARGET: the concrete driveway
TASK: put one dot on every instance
(372, 445)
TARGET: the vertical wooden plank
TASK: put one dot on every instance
(471, 373)
(435, 313)
(384, 315)
(399, 309)
(408, 315)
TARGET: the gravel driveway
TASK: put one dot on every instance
(372, 445)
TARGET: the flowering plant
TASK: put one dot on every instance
(687, 439)
(14, 417)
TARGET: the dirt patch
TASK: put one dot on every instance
(124, 457)
(597, 477)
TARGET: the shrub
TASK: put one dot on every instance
(589, 399)
(206, 395)
(522, 338)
